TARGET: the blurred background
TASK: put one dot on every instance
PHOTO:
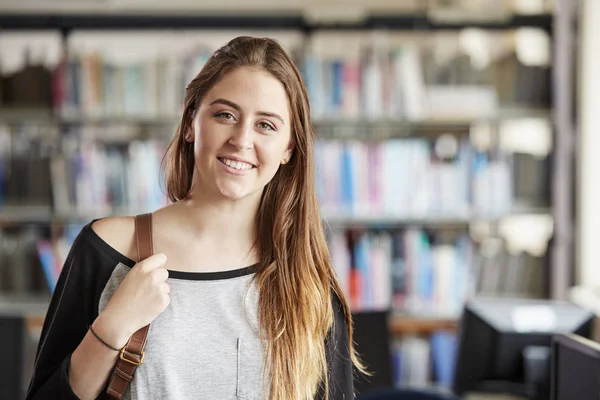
(456, 151)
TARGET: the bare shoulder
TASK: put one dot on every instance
(119, 233)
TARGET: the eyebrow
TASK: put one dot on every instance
(238, 108)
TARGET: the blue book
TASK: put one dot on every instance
(347, 180)
(337, 85)
(48, 262)
(425, 268)
(443, 353)
(397, 366)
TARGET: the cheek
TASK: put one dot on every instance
(270, 154)
(206, 139)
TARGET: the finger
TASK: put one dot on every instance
(154, 261)
(160, 275)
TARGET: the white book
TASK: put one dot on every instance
(444, 278)
(415, 97)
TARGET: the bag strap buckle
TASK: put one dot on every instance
(131, 361)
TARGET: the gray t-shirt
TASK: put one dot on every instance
(206, 344)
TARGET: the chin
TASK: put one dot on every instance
(234, 194)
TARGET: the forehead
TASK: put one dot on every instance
(252, 89)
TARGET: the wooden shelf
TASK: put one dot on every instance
(398, 325)
(34, 323)
(443, 220)
(34, 311)
(32, 308)
(45, 214)
(414, 324)
(380, 128)
(24, 305)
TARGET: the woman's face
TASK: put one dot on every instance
(242, 134)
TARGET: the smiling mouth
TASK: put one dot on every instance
(237, 165)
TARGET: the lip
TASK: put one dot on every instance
(233, 158)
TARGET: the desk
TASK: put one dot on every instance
(21, 321)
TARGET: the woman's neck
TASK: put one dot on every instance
(219, 222)
(227, 221)
(198, 235)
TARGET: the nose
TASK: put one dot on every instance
(242, 137)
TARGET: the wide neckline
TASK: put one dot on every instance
(119, 257)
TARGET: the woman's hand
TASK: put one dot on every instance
(140, 298)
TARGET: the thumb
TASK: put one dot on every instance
(154, 261)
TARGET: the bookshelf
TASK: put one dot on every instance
(398, 324)
(275, 21)
(441, 233)
(45, 215)
(419, 325)
(327, 128)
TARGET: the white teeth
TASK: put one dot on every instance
(237, 164)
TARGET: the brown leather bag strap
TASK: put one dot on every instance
(132, 355)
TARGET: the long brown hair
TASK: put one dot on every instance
(295, 277)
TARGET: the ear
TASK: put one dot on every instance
(189, 135)
(190, 128)
(287, 154)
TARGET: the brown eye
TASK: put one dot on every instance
(225, 115)
(266, 126)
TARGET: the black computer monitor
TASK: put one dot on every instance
(505, 344)
(372, 341)
(575, 368)
(12, 344)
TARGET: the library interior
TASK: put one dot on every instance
(469, 275)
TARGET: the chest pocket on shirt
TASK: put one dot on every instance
(249, 369)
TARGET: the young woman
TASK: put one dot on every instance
(240, 293)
